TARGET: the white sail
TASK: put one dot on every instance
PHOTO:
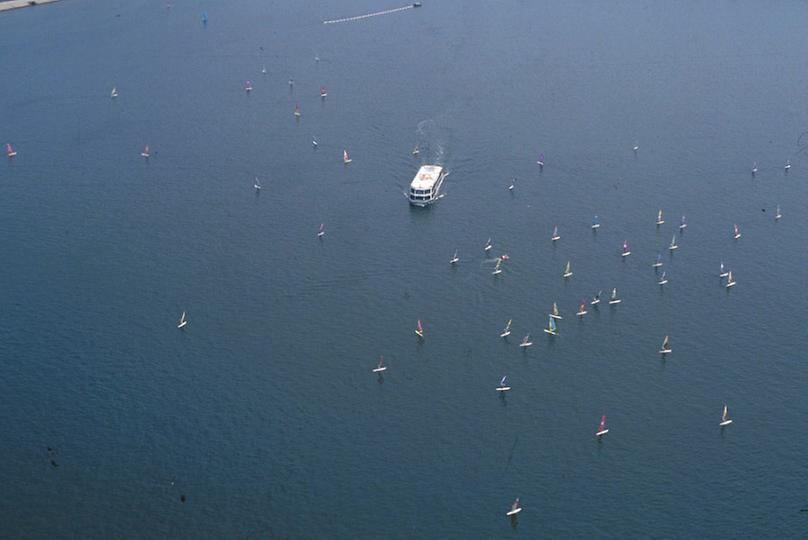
(665, 346)
(568, 270)
(507, 330)
(725, 419)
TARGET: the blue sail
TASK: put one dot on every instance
(502, 382)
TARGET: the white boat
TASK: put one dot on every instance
(554, 314)
(683, 223)
(596, 222)
(502, 387)
(515, 508)
(146, 152)
(596, 300)
(507, 330)
(582, 309)
(297, 111)
(551, 327)
(526, 341)
(666, 348)
(426, 185)
(722, 273)
(736, 232)
(658, 263)
(314, 142)
(419, 329)
(345, 157)
(381, 367)
(777, 214)
(754, 167)
(614, 299)
(323, 92)
(513, 184)
(488, 245)
(257, 184)
(321, 232)
(540, 161)
(788, 164)
(730, 280)
(673, 245)
(248, 87)
(498, 267)
(183, 321)
(455, 259)
(626, 250)
(568, 271)
(659, 220)
(636, 147)
(416, 150)
(725, 419)
(10, 152)
(602, 429)
(663, 279)
(555, 236)
(114, 92)
(264, 69)
(291, 82)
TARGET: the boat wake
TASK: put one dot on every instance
(369, 15)
(428, 138)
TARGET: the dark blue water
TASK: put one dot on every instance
(263, 413)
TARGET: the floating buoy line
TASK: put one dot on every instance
(368, 15)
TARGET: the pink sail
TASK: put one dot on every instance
(419, 327)
(345, 156)
(602, 425)
(10, 150)
(323, 91)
